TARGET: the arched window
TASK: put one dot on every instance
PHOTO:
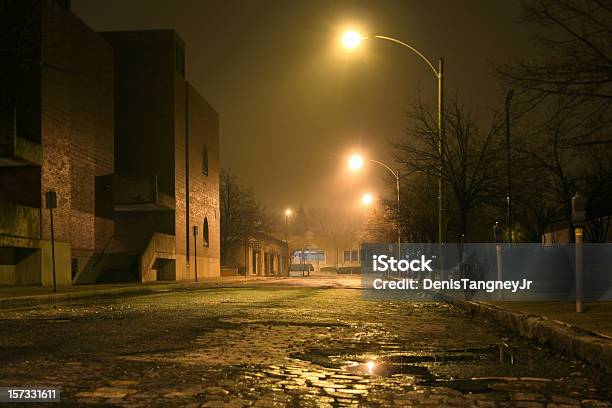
(205, 160)
(205, 234)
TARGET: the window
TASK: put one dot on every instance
(74, 267)
(205, 160)
(180, 59)
(310, 255)
(205, 233)
(351, 256)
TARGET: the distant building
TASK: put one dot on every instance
(325, 253)
(265, 256)
(166, 173)
(56, 134)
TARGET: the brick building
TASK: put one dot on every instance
(166, 172)
(99, 118)
(56, 134)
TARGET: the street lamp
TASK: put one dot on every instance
(509, 96)
(288, 214)
(497, 233)
(352, 39)
(367, 199)
(356, 162)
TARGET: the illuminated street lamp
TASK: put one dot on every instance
(367, 199)
(356, 162)
(288, 213)
(352, 39)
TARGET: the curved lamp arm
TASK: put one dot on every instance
(423, 57)
(386, 167)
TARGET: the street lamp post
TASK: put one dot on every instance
(351, 40)
(509, 96)
(288, 213)
(355, 162)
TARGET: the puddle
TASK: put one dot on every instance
(386, 368)
(394, 362)
(389, 360)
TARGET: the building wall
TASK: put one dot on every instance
(204, 186)
(20, 23)
(77, 128)
(182, 234)
(263, 256)
(151, 97)
(196, 194)
(332, 246)
(144, 104)
(65, 106)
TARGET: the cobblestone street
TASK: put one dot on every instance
(317, 344)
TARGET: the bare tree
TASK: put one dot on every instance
(242, 217)
(380, 224)
(468, 162)
(575, 58)
(549, 147)
(564, 112)
(333, 222)
(417, 214)
(598, 190)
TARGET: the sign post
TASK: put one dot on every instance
(51, 203)
(578, 218)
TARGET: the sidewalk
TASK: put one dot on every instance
(19, 296)
(587, 336)
(597, 316)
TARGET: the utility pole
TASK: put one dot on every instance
(288, 213)
(509, 96)
(399, 209)
(441, 152)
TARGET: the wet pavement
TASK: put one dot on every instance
(318, 345)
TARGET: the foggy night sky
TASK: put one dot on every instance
(293, 105)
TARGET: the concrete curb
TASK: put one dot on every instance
(590, 347)
(51, 298)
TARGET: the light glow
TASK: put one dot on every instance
(288, 212)
(367, 199)
(351, 39)
(355, 162)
